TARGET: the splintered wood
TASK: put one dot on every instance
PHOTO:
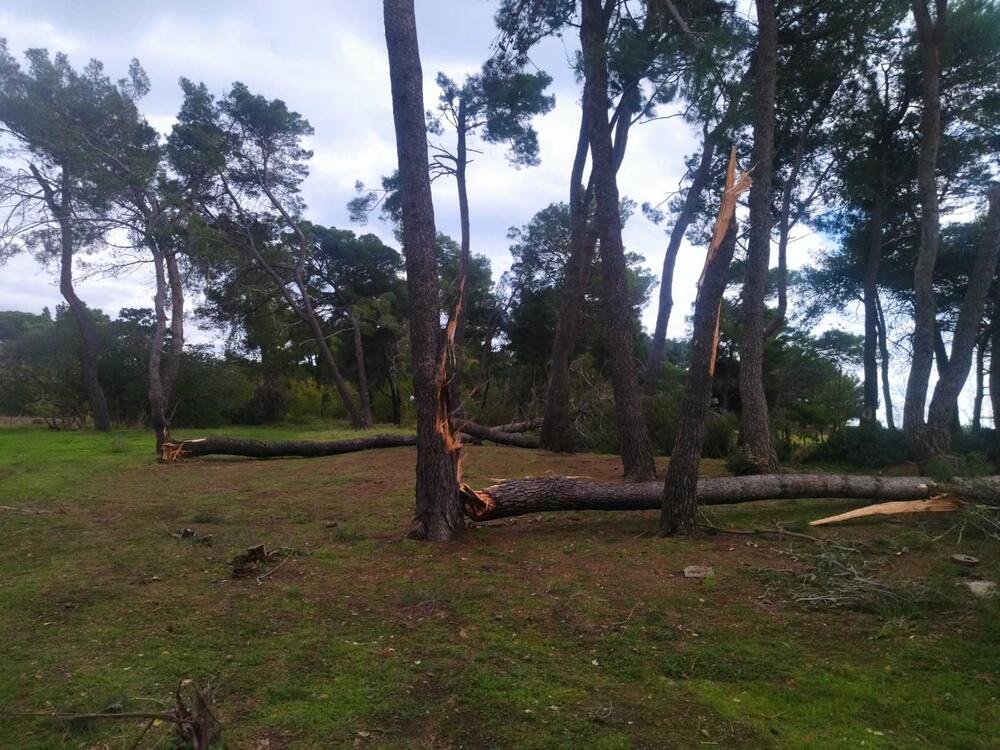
(727, 209)
(937, 504)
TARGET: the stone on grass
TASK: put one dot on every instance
(699, 571)
(965, 559)
(982, 588)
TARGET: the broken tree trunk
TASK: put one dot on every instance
(517, 497)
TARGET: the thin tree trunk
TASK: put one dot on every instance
(755, 429)
(302, 307)
(944, 402)
(461, 165)
(994, 379)
(873, 260)
(157, 399)
(163, 375)
(438, 515)
(883, 347)
(636, 450)
(555, 434)
(689, 210)
(930, 34)
(680, 489)
(359, 358)
(977, 403)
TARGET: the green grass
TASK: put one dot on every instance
(557, 631)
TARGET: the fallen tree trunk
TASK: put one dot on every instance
(232, 446)
(497, 434)
(526, 426)
(516, 497)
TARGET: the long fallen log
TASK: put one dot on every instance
(516, 497)
(233, 446)
(508, 434)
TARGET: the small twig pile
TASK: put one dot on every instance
(844, 579)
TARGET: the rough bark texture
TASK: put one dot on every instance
(699, 181)
(636, 450)
(944, 402)
(755, 429)
(517, 497)
(555, 428)
(930, 34)
(438, 515)
(680, 489)
(231, 446)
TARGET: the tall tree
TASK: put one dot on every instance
(930, 37)
(755, 431)
(636, 449)
(254, 147)
(438, 515)
(60, 121)
(498, 104)
(680, 488)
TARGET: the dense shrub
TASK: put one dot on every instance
(866, 445)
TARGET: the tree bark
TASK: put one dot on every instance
(680, 493)
(873, 260)
(977, 403)
(635, 447)
(699, 181)
(359, 358)
(517, 497)
(883, 348)
(555, 435)
(461, 166)
(157, 399)
(994, 379)
(755, 429)
(438, 515)
(90, 343)
(231, 446)
(944, 401)
(930, 35)
(496, 434)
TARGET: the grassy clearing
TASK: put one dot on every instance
(564, 630)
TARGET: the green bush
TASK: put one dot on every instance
(720, 435)
(866, 445)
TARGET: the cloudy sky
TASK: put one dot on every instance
(327, 60)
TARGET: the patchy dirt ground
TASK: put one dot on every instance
(562, 630)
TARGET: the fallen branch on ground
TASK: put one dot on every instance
(197, 726)
(516, 497)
